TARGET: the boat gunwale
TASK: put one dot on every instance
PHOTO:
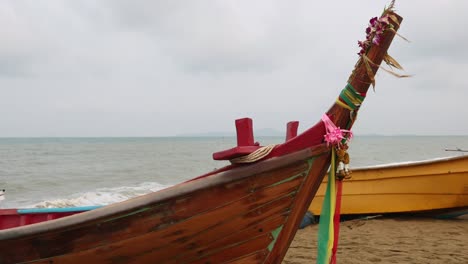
(403, 165)
(411, 163)
(178, 190)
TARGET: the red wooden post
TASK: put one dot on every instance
(244, 129)
(291, 129)
(245, 141)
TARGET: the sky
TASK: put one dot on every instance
(165, 68)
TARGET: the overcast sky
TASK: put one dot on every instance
(164, 68)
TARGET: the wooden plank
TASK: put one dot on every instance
(259, 219)
(304, 198)
(144, 244)
(182, 253)
(133, 251)
(74, 240)
(255, 258)
(236, 251)
(180, 231)
(236, 236)
(152, 219)
(200, 201)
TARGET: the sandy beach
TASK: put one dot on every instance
(390, 240)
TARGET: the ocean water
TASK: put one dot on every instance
(60, 172)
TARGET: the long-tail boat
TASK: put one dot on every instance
(437, 187)
(246, 212)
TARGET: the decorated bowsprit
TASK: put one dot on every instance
(247, 212)
(373, 50)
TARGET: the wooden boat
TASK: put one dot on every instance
(242, 213)
(437, 187)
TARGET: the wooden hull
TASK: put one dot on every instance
(438, 186)
(238, 216)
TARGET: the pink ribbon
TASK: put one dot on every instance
(334, 134)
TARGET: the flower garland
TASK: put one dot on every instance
(376, 28)
(374, 35)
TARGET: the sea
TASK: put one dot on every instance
(64, 172)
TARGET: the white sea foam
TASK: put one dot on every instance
(102, 196)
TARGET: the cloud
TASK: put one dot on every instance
(169, 66)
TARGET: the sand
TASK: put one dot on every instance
(389, 240)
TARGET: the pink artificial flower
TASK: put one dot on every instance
(377, 39)
(334, 135)
(374, 33)
(380, 29)
(373, 21)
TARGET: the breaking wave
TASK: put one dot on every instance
(102, 196)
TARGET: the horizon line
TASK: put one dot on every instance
(233, 136)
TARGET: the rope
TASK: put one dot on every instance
(254, 156)
(349, 98)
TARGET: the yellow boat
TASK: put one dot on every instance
(438, 187)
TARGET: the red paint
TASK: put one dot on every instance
(309, 138)
(245, 141)
(244, 129)
(336, 220)
(10, 218)
(291, 129)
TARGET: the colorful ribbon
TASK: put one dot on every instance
(350, 98)
(326, 231)
(329, 224)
